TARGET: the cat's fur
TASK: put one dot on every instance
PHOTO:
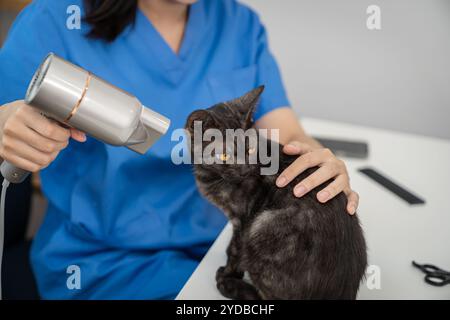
(292, 248)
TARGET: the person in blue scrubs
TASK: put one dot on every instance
(136, 225)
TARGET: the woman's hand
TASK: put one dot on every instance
(330, 167)
(29, 140)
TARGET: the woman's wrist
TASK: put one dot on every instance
(305, 139)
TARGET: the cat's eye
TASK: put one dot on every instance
(251, 150)
(223, 156)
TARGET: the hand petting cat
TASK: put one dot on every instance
(330, 168)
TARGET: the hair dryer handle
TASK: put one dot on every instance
(12, 173)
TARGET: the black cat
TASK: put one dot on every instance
(292, 248)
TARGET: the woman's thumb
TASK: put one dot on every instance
(77, 135)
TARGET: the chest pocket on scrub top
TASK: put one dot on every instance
(227, 85)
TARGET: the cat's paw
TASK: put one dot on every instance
(221, 273)
(237, 289)
(225, 272)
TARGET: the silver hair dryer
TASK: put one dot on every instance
(76, 98)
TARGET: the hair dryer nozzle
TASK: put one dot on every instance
(151, 127)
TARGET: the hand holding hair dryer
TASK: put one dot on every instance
(76, 98)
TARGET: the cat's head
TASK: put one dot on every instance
(218, 154)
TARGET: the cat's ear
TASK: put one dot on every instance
(203, 116)
(247, 105)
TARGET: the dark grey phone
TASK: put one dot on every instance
(346, 148)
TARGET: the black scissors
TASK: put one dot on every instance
(434, 275)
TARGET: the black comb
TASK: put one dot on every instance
(392, 186)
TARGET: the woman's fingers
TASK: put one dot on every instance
(352, 200)
(77, 135)
(37, 141)
(27, 152)
(315, 179)
(49, 128)
(308, 160)
(339, 184)
(296, 147)
(17, 149)
(42, 125)
(20, 162)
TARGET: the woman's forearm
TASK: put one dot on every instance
(304, 138)
(290, 129)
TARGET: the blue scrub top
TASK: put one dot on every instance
(135, 225)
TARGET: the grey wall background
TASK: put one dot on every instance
(335, 68)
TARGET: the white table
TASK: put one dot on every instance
(396, 232)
